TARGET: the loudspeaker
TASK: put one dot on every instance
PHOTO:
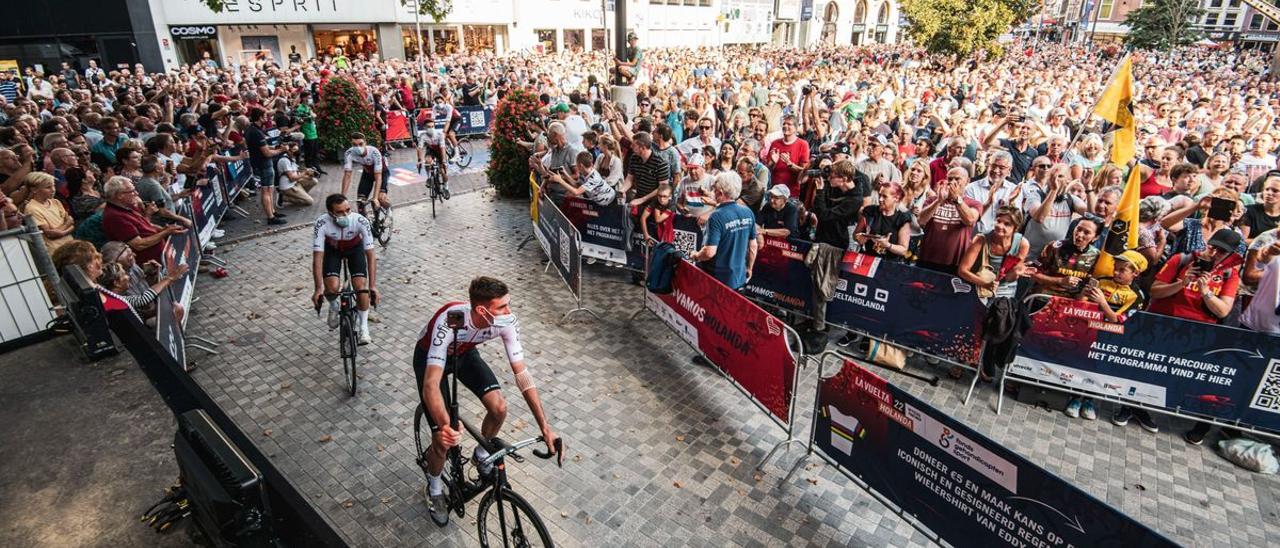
(87, 315)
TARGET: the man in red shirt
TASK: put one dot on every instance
(948, 222)
(1200, 286)
(122, 222)
(939, 166)
(788, 157)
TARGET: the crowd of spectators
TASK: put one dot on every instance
(989, 169)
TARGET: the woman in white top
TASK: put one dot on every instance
(609, 164)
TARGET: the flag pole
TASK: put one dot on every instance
(1089, 113)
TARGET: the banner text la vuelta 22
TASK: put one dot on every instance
(966, 488)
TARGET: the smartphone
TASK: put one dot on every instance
(455, 319)
(1220, 209)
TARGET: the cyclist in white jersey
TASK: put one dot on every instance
(343, 235)
(373, 180)
(487, 316)
(431, 148)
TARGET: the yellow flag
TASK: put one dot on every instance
(1115, 106)
(536, 193)
(1122, 235)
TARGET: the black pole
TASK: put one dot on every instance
(619, 35)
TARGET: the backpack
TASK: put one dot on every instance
(662, 268)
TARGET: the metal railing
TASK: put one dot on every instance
(26, 273)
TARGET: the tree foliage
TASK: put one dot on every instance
(437, 10)
(1163, 24)
(962, 27)
(342, 112)
(509, 163)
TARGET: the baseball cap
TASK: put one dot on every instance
(560, 107)
(694, 160)
(1225, 239)
(1134, 258)
(880, 139)
(780, 190)
(840, 147)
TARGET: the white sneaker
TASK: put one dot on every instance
(364, 338)
(210, 246)
(333, 317)
(218, 233)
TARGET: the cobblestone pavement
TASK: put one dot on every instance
(662, 452)
(404, 169)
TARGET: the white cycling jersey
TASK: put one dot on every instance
(329, 234)
(368, 157)
(430, 138)
(437, 336)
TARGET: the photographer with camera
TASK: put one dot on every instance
(1018, 146)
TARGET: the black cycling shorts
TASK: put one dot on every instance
(470, 368)
(454, 124)
(357, 263)
(366, 183)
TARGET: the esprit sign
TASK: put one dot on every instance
(239, 12)
(193, 32)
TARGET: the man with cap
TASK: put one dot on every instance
(779, 216)
(875, 167)
(628, 61)
(1200, 286)
(693, 195)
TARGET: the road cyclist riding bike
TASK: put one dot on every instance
(374, 173)
(343, 235)
(487, 316)
(444, 112)
(431, 152)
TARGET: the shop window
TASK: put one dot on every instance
(547, 40)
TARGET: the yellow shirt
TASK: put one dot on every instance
(49, 214)
(1120, 297)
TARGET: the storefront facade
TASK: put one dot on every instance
(250, 30)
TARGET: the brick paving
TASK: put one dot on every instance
(662, 452)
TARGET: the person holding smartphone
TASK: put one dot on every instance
(1200, 286)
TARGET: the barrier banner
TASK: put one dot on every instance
(608, 234)
(929, 311)
(561, 243)
(397, 126)
(1222, 372)
(180, 248)
(965, 487)
(476, 120)
(925, 310)
(780, 277)
(208, 203)
(740, 338)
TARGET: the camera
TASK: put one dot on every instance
(455, 319)
(1203, 265)
(807, 90)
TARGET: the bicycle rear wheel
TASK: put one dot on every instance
(464, 153)
(422, 442)
(512, 523)
(433, 189)
(347, 340)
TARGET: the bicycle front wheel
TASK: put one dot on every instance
(347, 340)
(511, 523)
(387, 222)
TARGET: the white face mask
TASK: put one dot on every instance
(343, 221)
(504, 320)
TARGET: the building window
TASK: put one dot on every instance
(1233, 3)
(860, 12)
(1211, 20)
(883, 17)
(1104, 11)
(1255, 23)
(1215, 4)
(704, 3)
(1229, 20)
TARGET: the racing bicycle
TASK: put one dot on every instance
(503, 518)
(436, 188)
(348, 331)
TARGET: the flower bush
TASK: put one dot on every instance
(508, 170)
(342, 112)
